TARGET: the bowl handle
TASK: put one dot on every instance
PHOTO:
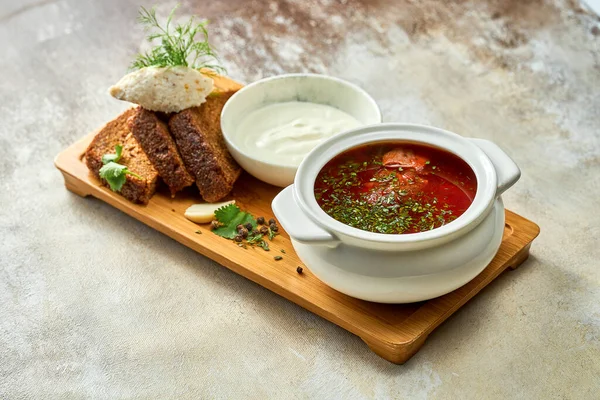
(507, 171)
(296, 223)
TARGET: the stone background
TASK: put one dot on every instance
(94, 304)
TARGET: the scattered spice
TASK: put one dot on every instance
(299, 269)
(233, 223)
(277, 258)
(282, 250)
(198, 232)
(260, 220)
(272, 221)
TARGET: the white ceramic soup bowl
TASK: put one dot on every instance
(312, 88)
(399, 268)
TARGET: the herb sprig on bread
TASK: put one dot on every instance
(113, 172)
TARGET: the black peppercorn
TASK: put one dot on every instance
(240, 226)
(274, 227)
(238, 238)
(299, 270)
(243, 232)
(255, 232)
(260, 220)
(264, 230)
(248, 226)
(271, 221)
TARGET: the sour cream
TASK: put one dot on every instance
(283, 133)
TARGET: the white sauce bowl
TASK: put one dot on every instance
(313, 88)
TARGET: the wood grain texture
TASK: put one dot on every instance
(393, 331)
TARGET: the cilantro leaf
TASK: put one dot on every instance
(114, 174)
(227, 213)
(113, 157)
(230, 216)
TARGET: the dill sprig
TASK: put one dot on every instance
(177, 44)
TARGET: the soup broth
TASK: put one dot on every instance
(395, 187)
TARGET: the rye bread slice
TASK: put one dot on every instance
(115, 133)
(197, 132)
(153, 136)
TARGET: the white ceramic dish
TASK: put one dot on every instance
(313, 88)
(399, 268)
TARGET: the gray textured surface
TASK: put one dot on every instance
(96, 305)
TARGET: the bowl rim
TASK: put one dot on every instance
(229, 140)
(469, 152)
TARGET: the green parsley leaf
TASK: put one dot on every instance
(113, 172)
(230, 216)
(227, 213)
(113, 157)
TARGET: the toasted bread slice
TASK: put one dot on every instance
(197, 132)
(115, 133)
(153, 136)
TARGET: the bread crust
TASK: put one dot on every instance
(155, 139)
(198, 135)
(117, 132)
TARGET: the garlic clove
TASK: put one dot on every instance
(205, 212)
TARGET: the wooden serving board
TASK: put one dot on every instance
(393, 331)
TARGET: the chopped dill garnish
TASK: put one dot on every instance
(177, 45)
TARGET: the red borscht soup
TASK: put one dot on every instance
(395, 187)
